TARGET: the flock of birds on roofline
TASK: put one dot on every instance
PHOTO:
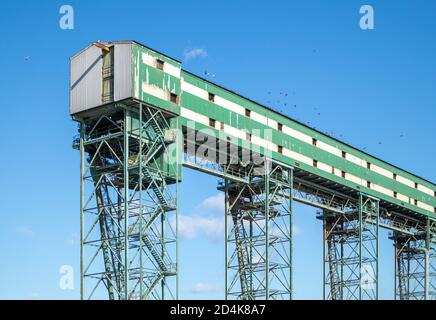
(282, 105)
(282, 102)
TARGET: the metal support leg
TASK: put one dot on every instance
(369, 247)
(415, 272)
(259, 243)
(351, 251)
(431, 247)
(128, 241)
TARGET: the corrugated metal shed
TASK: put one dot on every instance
(85, 79)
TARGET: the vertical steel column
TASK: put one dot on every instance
(431, 240)
(369, 247)
(141, 209)
(360, 232)
(427, 252)
(126, 188)
(226, 238)
(291, 239)
(179, 145)
(324, 239)
(431, 256)
(82, 202)
(267, 218)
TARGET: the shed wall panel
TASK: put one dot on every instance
(86, 80)
(123, 71)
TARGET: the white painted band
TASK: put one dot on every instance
(167, 67)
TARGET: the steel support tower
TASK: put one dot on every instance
(128, 204)
(258, 224)
(415, 263)
(351, 251)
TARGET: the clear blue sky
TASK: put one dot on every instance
(368, 86)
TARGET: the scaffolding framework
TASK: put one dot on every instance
(128, 205)
(351, 251)
(258, 235)
(415, 263)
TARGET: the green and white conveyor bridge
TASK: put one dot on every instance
(142, 119)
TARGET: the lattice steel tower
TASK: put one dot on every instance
(259, 234)
(129, 213)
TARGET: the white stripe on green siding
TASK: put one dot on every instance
(154, 91)
(405, 181)
(167, 67)
(381, 171)
(355, 160)
(425, 190)
(326, 147)
(425, 206)
(297, 134)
